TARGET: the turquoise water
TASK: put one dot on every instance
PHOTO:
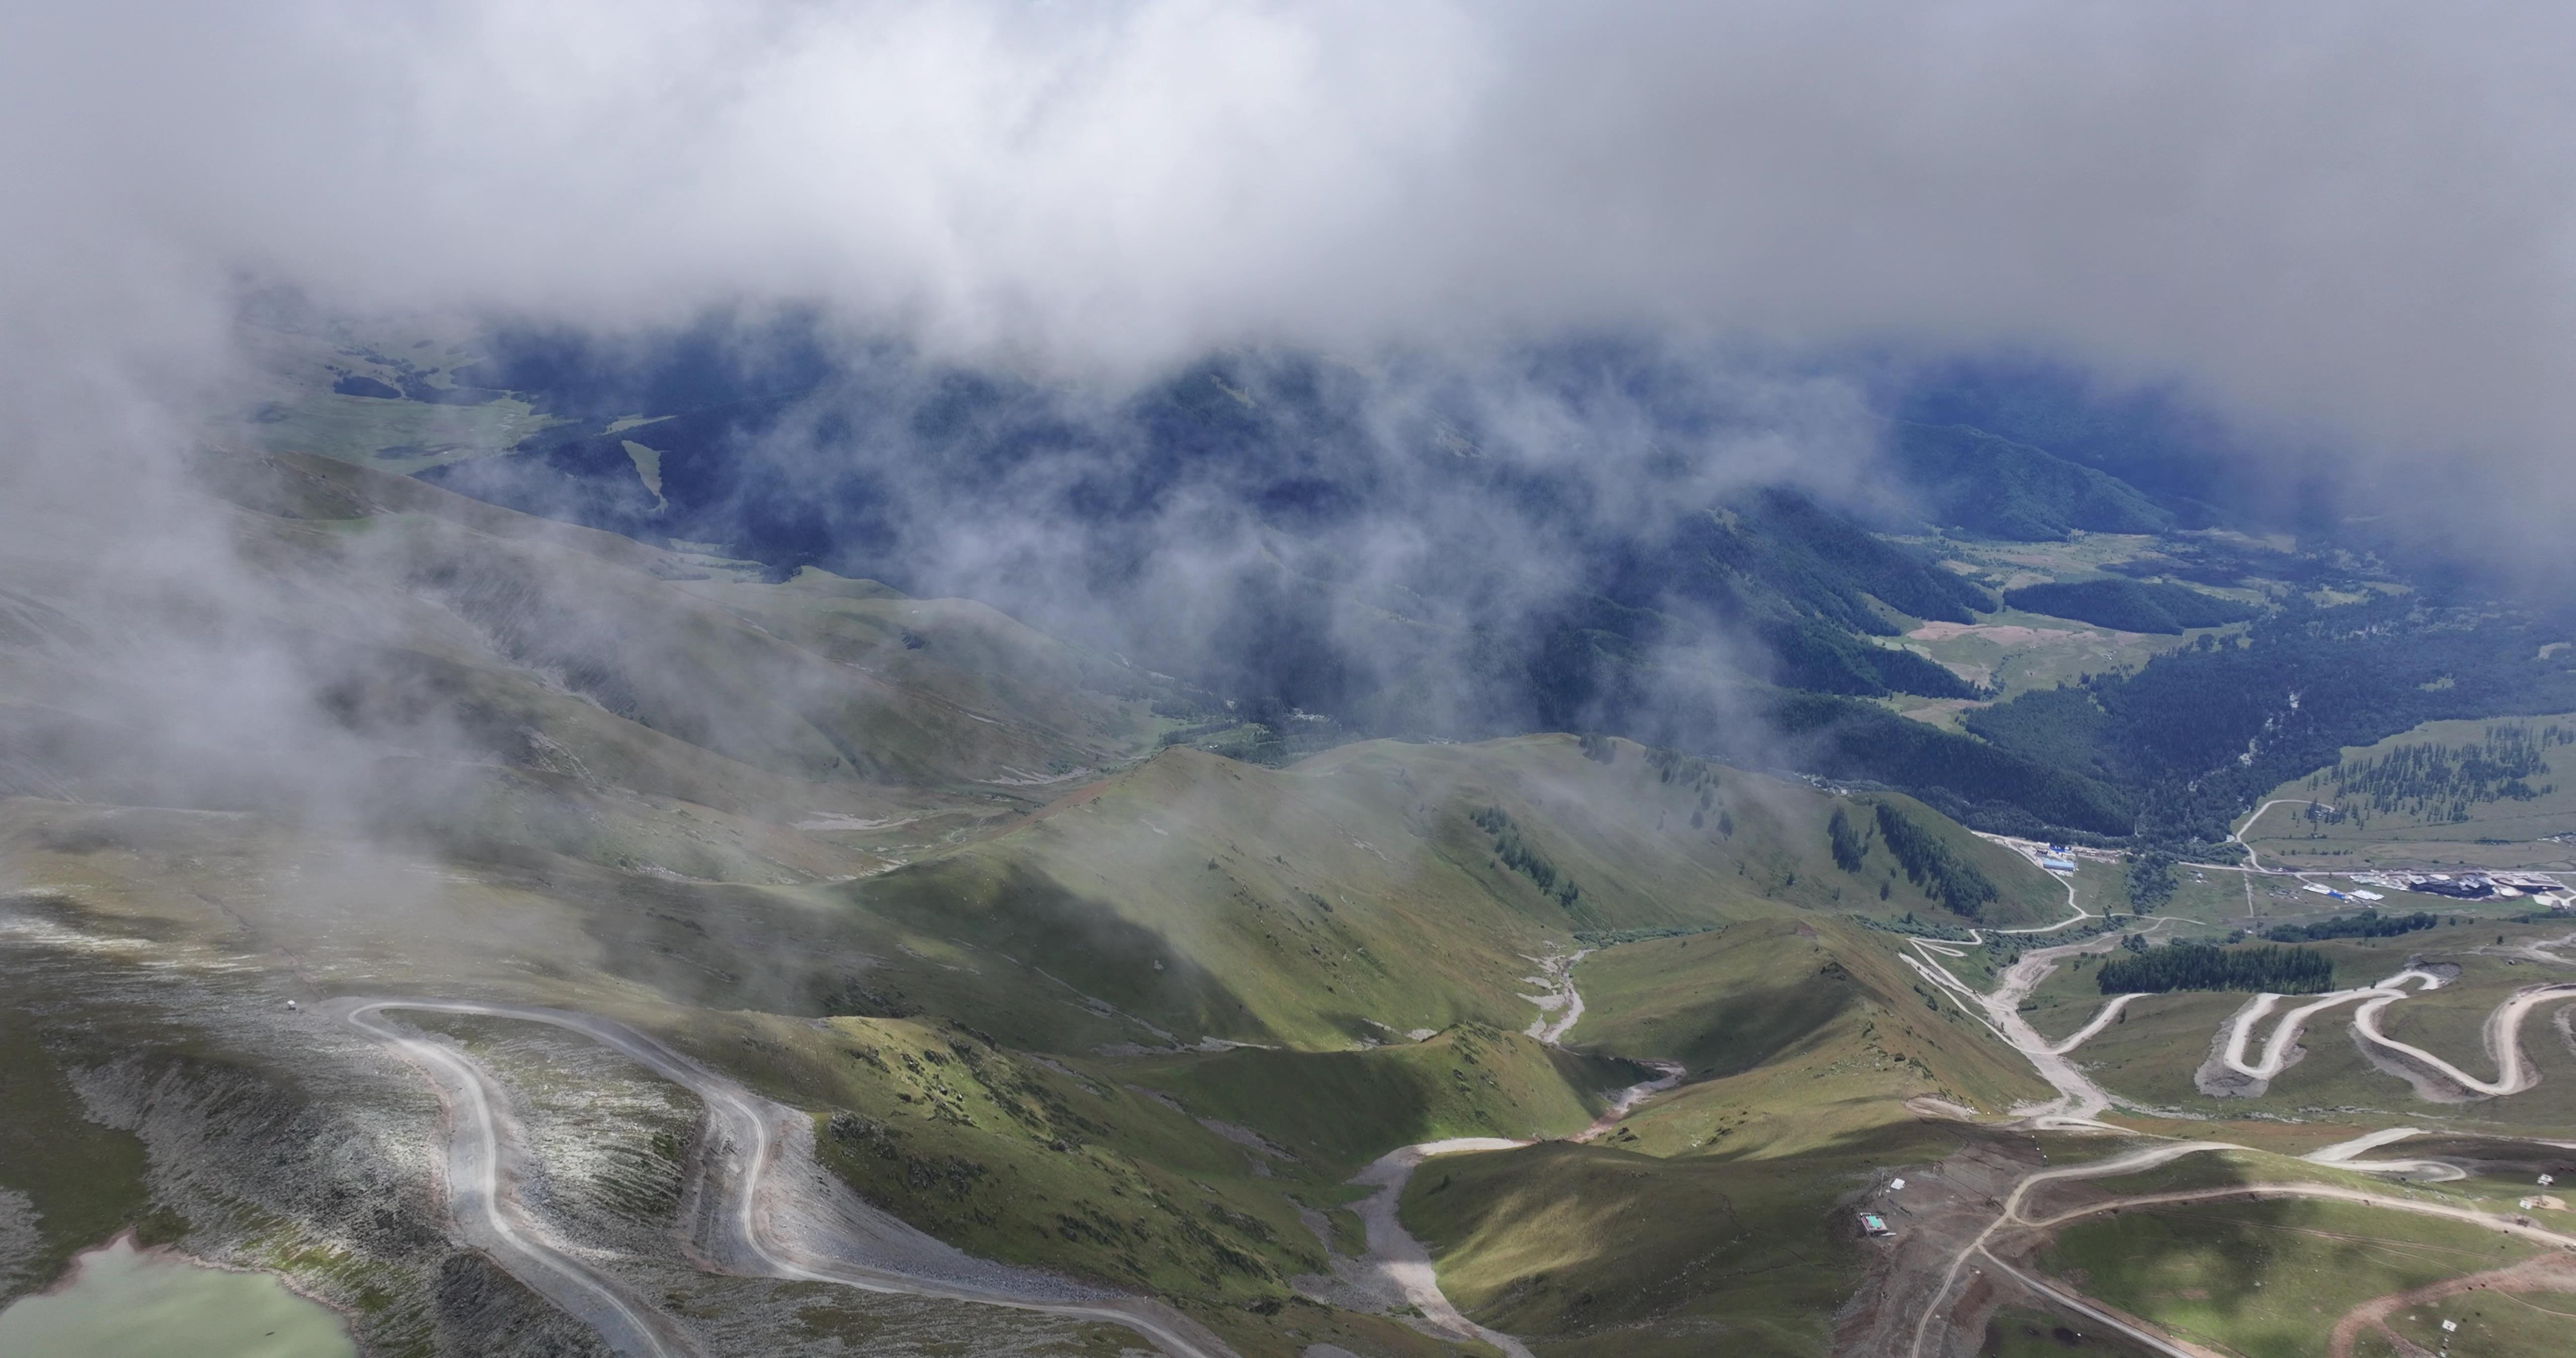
(126, 1304)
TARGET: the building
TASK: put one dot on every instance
(1871, 1223)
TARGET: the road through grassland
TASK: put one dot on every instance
(758, 1205)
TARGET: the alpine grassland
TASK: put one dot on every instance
(1705, 1215)
(1043, 979)
(2444, 795)
(2265, 1279)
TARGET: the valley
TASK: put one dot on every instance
(695, 956)
(815, 678)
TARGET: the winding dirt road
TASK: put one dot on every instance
(2109, 1014)
(2503, 1032)
(2503, 1038)
(2238, 834)
(2080, 1101)
(1399, 1263)
(2541, 1273)
(760, 1206)
(2011, 1219)
(2285, 1034)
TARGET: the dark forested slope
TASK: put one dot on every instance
(2197, 733)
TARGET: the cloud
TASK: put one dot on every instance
(2345, 222)
(2350, 214)
(2349, 218)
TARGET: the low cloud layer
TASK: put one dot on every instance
(2347, 218)
(2347, 226)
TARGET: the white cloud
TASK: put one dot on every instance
(2350, 210)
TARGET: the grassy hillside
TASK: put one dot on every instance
(1356, 896)
(915, 869)
(551, 685)
(1343, 1109)
(1589, 1251)
(1994, 486)
(1790, 991)
(2449, 793)
(1706, 1213)
(2256, 1278)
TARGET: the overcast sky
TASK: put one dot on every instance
(2349, 213)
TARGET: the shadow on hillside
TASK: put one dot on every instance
(2188, 1247)
(1560, 1239)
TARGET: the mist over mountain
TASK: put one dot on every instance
(1341, 680)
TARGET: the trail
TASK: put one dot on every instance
(2011, 1214)
(2109, 1015)
(1397, 1260)
(2503, 1037)
(2541, 1273)
(761, 1206)
(2347, 1155)
(2080, 1101)
(2285, 1034)
(496, 1223)
(2012, 1219)
(2238, 834)
(2503, 1031)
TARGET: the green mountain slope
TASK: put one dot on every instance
(1709, 1212)
(916, 870)
(533, 675)
(2131, 605)
(1994, 486)
(1355, 896)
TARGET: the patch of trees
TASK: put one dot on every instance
(1521, 856)
(2438, 782)
(2060, 727)
(1672, 766)
(2130, 605)
(2367, 924)
(1849, 844)
(1966, 779)
(2200, 966)
(2151, 881)
(2194, 737)
(1928, 862)
(1810, 654)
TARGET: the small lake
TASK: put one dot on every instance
(123, 1303)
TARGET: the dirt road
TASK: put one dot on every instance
(1398, 1264)
(2503, 1036)
(2012, 1220)
(2543, 1273)
(759, 1204)
(2080, 1101)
